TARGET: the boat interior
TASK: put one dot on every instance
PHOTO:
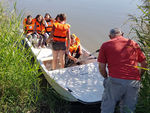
(85, 58)
(80, 81)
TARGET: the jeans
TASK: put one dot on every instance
(119, 90)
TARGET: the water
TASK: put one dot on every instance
(90, 20)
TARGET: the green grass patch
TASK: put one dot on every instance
(18, 78)
(21, 88)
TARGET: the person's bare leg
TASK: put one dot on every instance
(54, 61)
(62, 58)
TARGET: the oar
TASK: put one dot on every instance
(94, 52)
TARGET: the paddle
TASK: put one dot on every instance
(94, 52)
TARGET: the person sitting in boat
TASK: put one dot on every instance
(40, 30)
(59, 34)
(48, 41)
(49, 22)
(28, 25)
(74, 51)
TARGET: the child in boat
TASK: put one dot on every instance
(49, 22)
(59, 34)
(55, 21)
(74, 51)
(28, 26)
(40, 30)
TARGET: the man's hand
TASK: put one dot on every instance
(102, 70)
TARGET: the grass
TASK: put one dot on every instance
(21, 88)
(18, 78)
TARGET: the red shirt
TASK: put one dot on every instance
(121, 55)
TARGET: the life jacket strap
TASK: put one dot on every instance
(60, 37)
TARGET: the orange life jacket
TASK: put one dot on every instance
(24, 21)
(50, 26)
(60, 32)
(40, 28)
(28, 27)
(73, 48)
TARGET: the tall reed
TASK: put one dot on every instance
(18, 78)
(141, 26)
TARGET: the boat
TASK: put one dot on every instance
(77, 83)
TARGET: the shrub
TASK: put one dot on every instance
(141, 27)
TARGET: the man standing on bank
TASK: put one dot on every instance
(122, 83)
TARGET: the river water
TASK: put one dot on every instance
(90, 20)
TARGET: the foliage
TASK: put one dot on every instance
(141, 27)
(18, 78)
(20, 81)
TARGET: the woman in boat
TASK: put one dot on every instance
(60, 33)
(74, 51)
(40, 30)
(28, 24)
(49, 22)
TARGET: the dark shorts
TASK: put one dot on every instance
(59, 46)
